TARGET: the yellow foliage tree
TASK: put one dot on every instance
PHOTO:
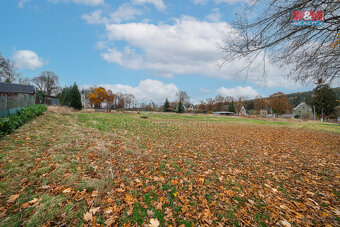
(98, 96)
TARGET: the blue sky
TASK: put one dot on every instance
(151, 48)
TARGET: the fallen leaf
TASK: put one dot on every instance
(33, 201)
(110, 221)
(23, 206)
(94, 193)
(94, 210)
(108, 210)
(68, 190)
(285, 223)
(88, 216)
(154, 222)
(150, 213)
(12, 198)
(128, 198)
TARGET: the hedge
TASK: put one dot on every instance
(8, 124)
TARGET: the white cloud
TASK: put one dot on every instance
(124, 13)
(214, 16)
(237, 92)
(94, 18)
(200, 2)
(159, 4)
(27, 59)
(147, 90)
(22, 3)
(83, 2)
(187, 47)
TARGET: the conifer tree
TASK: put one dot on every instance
(180, 108)
(166, 106)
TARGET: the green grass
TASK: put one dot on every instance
(109, 122)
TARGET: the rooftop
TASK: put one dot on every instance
(16, 88)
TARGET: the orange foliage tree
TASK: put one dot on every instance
(98, 96)
(279, 103)
(260, 103)
(110, 99)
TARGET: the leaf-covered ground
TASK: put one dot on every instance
(120, 169)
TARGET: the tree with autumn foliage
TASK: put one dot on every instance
(110, 98)
(98, 96)
(260, 103)
(279, 103)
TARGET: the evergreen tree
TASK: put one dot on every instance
(231, 107)
(64, 97)
(180, 108)
(70, 96)
(324, 99)
(166, 106)
(75, 97)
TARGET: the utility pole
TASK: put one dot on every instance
(314, 112)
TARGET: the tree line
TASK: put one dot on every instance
(47, 83)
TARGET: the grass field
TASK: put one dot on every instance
(120, 170)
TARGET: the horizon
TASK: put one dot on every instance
(149, 48)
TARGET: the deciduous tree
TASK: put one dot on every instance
(183, 96)
(47, 82)
(219, 102)
(98, 96)
(260, 103)
(8, 72)
(311, 52)
(279, 103)
(110, 99)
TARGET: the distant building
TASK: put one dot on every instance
(15, 96)
(52, 100)
(84, 100)
(302, 109)
(41, 98)
(190, 108)
(243, 111)
(263, 112)
(174, 105)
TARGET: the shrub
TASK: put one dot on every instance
(8, 124)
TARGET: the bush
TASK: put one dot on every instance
(8, 124)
